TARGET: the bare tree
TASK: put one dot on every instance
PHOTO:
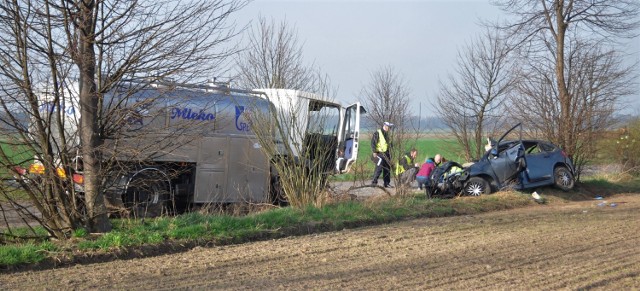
(597, 79)
(546, 29)
(471, 102)
(60, 59)
(274, 59)
(299, 135)
(387, 97)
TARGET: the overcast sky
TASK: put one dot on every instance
(419, 39)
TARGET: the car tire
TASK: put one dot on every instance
(476, 186)
(563, 178)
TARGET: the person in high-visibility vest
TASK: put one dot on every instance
(406, 168)
(380, 146)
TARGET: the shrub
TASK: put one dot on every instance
(628, 148)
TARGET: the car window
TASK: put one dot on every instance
(531, 148)
(504, 146)
(545, 147)
(512, 152)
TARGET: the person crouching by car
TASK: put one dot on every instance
(406, 168)
(425, 170)
(438, 160)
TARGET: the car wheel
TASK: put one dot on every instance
(563, 178)
(476, 186)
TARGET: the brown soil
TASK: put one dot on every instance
(572, 245)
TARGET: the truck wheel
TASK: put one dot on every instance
(476, 186)
(276, 192)
(146, 196)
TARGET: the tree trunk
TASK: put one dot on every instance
(564, 134)
(97, 219)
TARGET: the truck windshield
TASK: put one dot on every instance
(324, 119)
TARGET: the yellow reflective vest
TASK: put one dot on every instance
(399, 168)
(382, 145)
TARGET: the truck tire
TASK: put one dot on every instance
(147, 195)
(276, 193)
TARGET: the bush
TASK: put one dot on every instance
(628, 148)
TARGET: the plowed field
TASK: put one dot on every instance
(572, 245)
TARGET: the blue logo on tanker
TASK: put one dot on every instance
(50, 107)
(241, 126)
(189, 114)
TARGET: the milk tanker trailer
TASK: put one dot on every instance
(180, 144)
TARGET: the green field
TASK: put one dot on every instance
(427, 148)
(13, 154)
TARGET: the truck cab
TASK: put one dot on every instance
(310, 120)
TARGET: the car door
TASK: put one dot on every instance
(505, 163)
(349, 136)
(540, 161)
(506, 158)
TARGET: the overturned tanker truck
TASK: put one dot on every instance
(179, 144)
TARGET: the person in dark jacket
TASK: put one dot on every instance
(380, 146)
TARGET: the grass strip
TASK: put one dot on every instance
(199, 229)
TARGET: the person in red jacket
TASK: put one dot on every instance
(425, 170)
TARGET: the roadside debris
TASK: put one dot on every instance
(604, 203)
(538, 198)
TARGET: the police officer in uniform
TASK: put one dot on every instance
(380, 146)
